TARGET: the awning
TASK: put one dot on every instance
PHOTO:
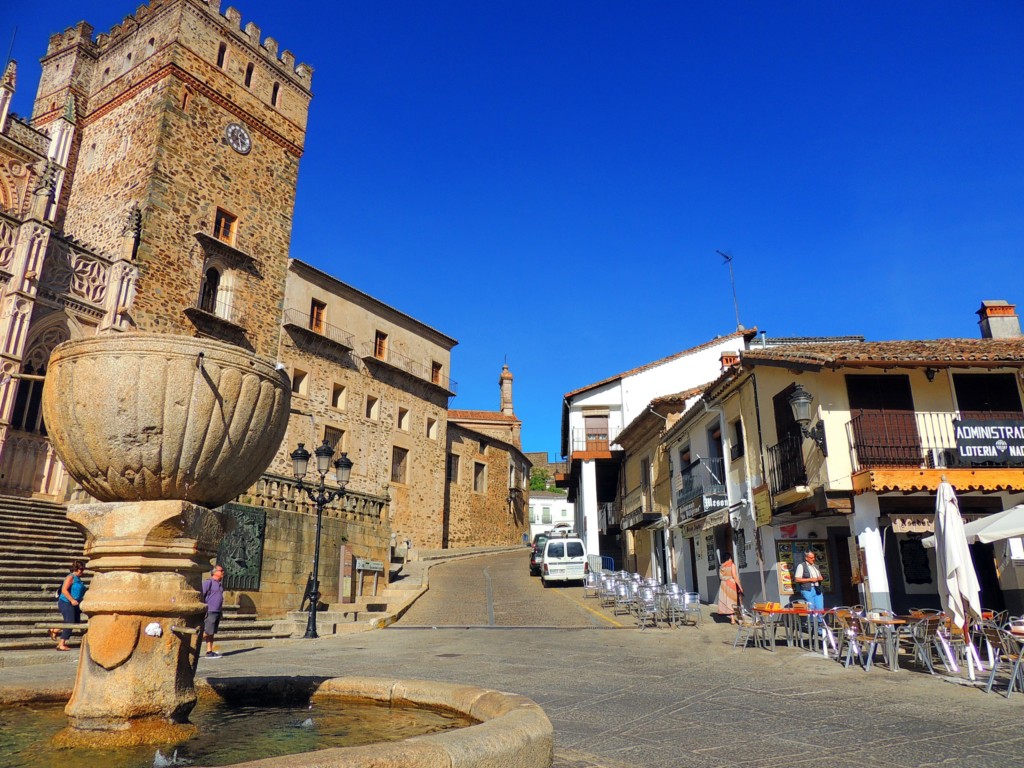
(715, 519)
(639, 519)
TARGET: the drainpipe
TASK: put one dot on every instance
(758, 544)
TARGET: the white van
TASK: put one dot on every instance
(563, 560)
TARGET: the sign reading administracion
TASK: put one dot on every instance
(990, 441)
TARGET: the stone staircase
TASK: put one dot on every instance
(37, 545)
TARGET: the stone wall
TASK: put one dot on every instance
(475, 518)
(290, 541)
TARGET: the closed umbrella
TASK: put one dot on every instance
(958, 583)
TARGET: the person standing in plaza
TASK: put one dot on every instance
(729, 590)
(72, 590)
(213, 595)
(808, 579)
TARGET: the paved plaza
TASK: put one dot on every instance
(660, 697)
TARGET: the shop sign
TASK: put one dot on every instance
(762, 506)
(922, 523)
(990, 441)
(701, 504)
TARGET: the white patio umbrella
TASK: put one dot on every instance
(958, 582)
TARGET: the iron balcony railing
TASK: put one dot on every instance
(703, 477)
(910, 439)
(600, 439)
(786, 464)
(407, 364)
(301, 319)
(221, 307)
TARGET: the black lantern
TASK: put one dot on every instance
(800, 402)
(321, 497)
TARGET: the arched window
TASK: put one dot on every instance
(208, 292)
(150, 46)
(248, 75)
(275, 94)
(222, 55)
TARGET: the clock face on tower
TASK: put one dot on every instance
(238, 138)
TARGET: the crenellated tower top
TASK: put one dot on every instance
(81, 34)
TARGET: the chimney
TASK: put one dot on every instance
(998, 320)
(729, 359)
(505, 383)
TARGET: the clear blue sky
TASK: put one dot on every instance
(548, 181)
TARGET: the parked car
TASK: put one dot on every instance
(538, 552)
(563, 560)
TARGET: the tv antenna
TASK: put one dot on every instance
(732, 280)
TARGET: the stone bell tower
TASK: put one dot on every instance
(189, 127)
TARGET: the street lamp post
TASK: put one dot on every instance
(321, 497)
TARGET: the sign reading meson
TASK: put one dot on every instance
(999, 441)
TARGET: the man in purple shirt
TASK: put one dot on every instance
(213, 595)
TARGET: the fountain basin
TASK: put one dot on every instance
(512, 732)
(146, 417)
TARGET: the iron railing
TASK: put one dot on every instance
(407, 364)
(703, 477)
(786, 464)
(301, 319)
(910, 439)
(600, 439)
(223, 308)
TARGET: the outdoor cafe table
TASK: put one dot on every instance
(791, 622)
(890, 628)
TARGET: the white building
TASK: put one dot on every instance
(593, 416)
(548, 511)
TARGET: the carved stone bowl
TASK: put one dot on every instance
(142, 417)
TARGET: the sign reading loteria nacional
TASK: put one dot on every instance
(990, 441)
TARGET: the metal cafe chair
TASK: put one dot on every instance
(1007, 651)
(645, 608)
(749, 626)
(625, 593)
(859, 640)
(692, 609)
(592, 584)
(925, 636)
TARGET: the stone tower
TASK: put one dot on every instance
(505, 384)
(187, 132)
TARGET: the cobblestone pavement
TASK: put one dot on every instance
(663, 698)
(497, 590)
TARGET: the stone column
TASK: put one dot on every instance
(140, 654)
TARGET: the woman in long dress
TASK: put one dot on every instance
(729, 589)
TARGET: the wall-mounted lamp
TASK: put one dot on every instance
(929, 373)
(800, 401)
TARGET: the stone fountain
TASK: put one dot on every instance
(159, 429)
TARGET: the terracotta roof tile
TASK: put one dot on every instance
(933, 351)
(480, 416)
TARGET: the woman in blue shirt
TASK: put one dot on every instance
(71, 593)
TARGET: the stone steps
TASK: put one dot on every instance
(37, 544)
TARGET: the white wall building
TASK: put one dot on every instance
(550, 510)
(593, 416)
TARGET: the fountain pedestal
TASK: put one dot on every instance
(148, 558)
(159, 429)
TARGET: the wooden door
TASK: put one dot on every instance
(883, 421)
